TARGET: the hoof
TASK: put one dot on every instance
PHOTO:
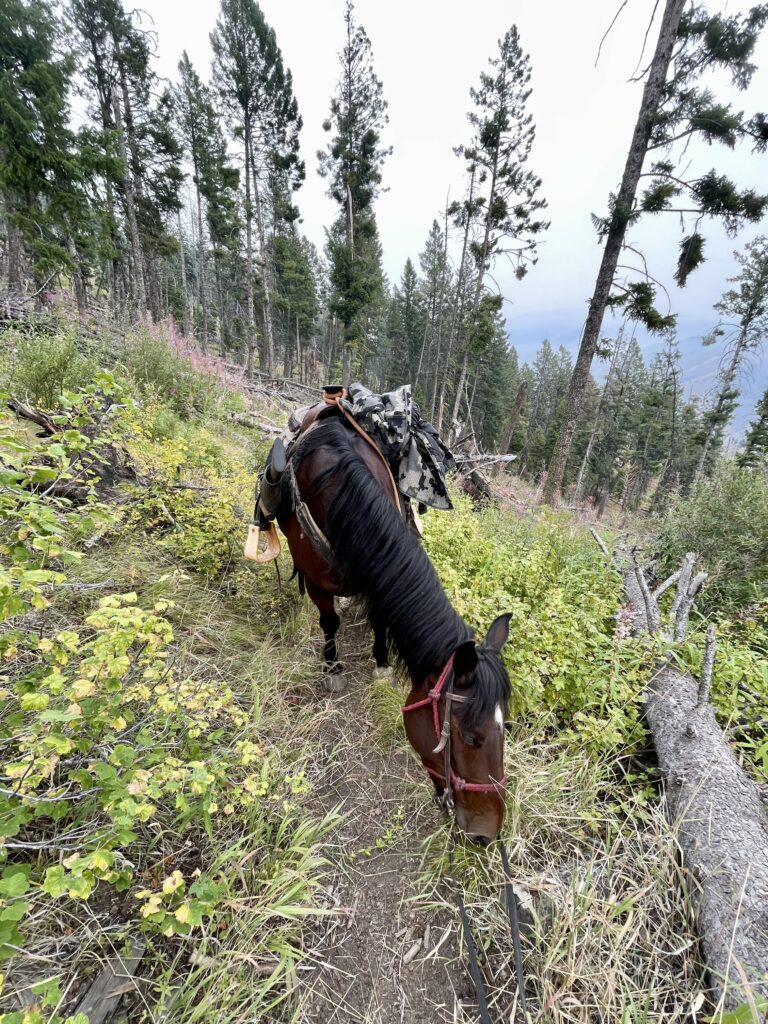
(334, 682)
(385, 673)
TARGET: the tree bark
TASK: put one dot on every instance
(723, 833)
(652, 96)
(137, 184)
(514, 419)
(201, 272)
(249, 294)
(266, 299)
(130, 213)
(13, 233)
(185, 326)
(720, 817)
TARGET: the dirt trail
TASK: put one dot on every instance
(358, 974)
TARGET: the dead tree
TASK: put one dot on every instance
(718, 811)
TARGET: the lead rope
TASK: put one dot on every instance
(511, 899)
(514, 927)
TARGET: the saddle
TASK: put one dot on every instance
(300, 422)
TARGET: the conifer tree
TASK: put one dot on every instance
(746, 326)
(503, 198)
(257, 93)
(406, 329)
(674, 108)
(756, 441)
(45, 168)
(353, 165)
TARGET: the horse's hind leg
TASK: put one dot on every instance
(329, 623)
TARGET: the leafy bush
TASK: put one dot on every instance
(38, 367)
(562, 656)
(107, 744)
(725, 521)
(160, 372)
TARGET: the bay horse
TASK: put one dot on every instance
(459, 687)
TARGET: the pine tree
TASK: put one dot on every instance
(45, 168)
(353, 165)
(406, 329)
(195, 113)
(746, 310)
(756, 441)
(503, 198)
(435, 288)
(257, 93)
(673, 108)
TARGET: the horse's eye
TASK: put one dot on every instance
(473, 739)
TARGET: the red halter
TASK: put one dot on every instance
(443, 736)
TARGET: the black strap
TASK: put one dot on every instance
(514, 927)
(474, 966)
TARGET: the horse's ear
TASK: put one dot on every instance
(465, 659)
(498, 634)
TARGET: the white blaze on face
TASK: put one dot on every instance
(499, 717)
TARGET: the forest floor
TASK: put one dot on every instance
(382, 958)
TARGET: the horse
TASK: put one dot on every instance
(370, 552)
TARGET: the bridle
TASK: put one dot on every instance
(451, 782)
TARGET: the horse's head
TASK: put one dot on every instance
(474, 743)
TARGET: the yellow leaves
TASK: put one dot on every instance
(118, 724)
(83, 688)
(183, 914)
(153, 905)
(173, 882)
(45, 645)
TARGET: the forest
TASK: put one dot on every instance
(191, 827)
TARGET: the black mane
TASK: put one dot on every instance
(386, 565)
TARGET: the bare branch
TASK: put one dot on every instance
(600, 542)
(668, 582)
(651, 612)
(707, 665)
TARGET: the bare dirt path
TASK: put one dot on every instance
(379, 959)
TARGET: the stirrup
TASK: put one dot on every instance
(272, 549)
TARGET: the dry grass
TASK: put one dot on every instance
(608, 933)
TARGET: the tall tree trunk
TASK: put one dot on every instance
(78, 278)
(148, 264)
(459, 311)
(130, 212)
(441, 300)
(514, 419)
(249, 293)
(266, 299)
(15, 282)
(652, 96)
(185, 325)
(726, 385)
(201, 272)
(480, 275)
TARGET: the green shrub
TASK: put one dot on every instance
(725, 521)
(39, 367)
(160, 372)
(562, 656)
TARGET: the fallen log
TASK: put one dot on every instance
(718, 811)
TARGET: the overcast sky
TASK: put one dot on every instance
(428, 53)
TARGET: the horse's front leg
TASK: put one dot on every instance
(329, 623)
(383, 669)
